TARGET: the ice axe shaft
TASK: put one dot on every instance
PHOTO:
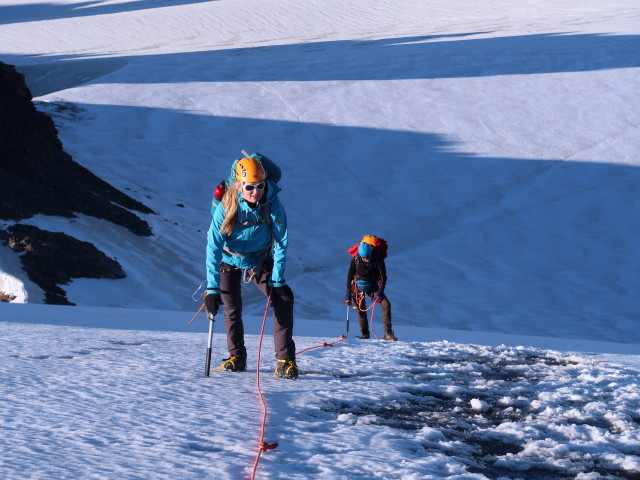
(347, 320)
(207, 365)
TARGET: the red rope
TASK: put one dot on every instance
(371, 320)
(360, 297)
(262, 445)
(325, 344)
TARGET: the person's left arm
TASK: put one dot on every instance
(281, 242)
(382, 270)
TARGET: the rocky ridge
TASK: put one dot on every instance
(37, 177)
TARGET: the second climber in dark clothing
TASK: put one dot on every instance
(368, 277)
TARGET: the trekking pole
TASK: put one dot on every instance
(207, 365)
(347, 320)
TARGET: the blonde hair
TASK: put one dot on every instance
(230, 205)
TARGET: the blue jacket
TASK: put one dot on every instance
(248, 238)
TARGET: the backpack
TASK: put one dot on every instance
(273, 173)
(380, 247)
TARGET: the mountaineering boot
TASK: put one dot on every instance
(234, 364)
(364, 336)
(286, 369)
(388, 335)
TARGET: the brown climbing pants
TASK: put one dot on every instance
(231, 289)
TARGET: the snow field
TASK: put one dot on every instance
(94, 403)
(493, 144)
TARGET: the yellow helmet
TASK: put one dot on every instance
(370, 239)
(249, 170)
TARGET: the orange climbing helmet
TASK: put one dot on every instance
(249, 170)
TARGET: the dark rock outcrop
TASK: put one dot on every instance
(38, 177)
(52, 259)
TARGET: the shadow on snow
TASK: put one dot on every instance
(425, 57)
(506, 240)
(34, 12)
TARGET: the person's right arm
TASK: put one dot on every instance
(215, 243)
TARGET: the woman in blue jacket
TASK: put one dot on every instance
(247, 241)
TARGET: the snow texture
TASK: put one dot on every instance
(493, 144)
(80, 402)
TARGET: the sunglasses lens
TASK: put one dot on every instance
(249, 188)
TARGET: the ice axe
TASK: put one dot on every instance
(347, 320)
(207, 365)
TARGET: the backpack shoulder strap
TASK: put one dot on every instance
(265, 209)
(266, 214)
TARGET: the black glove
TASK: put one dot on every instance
(284, 293)
(211, 302)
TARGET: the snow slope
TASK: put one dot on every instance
(493, 144)
(80, 401)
